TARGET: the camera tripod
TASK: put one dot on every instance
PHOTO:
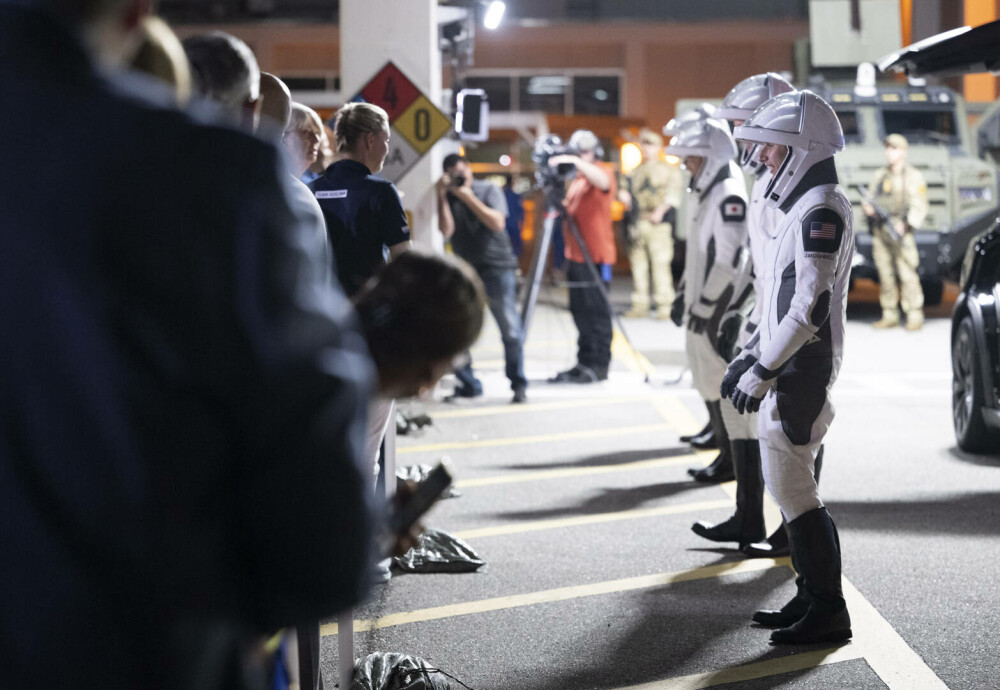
(553, 198)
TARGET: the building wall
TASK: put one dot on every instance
(662, 62)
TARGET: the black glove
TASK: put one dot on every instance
(729, 331)
(677, 310)
(744, 402)
(733, 374)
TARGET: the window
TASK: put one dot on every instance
(850, 124)
(595, 95)
(545, 92)
(573, 92)
(497, 90)
(922, 126)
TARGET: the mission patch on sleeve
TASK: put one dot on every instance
(734, 208)
(822, 230)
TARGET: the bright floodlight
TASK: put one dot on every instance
(494, 13)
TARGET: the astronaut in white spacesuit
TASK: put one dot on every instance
(716, 223)
(788, 367)
(746, 525)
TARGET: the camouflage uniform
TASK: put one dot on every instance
(652, 247)
(904, 197)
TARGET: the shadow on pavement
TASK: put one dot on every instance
(618, 458)
(974, 458)
(678, 630)
(960, 513)
(610, 501)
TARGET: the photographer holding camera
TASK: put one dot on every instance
(473, 215)
(588, 207)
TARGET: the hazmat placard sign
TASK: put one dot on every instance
(415, 123)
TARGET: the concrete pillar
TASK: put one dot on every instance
(926, 19)
(373, 32)
(980, 87)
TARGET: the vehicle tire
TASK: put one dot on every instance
(967, 398)
(933, 291)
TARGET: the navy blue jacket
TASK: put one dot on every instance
(181, 397)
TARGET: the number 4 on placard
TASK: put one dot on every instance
(389, 94)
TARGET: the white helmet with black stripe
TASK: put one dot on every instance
(746, 97)
(709, 139)
(801, 121)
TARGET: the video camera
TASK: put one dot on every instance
(546, 147)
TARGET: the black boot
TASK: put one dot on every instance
(796, 607)
(699, 437)
(817, 550)
(705, 440)
(747, 523)
(776, 545)
(721, 469)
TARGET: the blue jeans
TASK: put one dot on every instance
(501, 291)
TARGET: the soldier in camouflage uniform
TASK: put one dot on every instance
(656, 191)
(900, 190)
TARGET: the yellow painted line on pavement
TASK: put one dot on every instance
(533, 407)
(676, 413)
(559, 594)
(539, 525)
(529, 475)
(541, 438)
(760, 669)
(629, 356)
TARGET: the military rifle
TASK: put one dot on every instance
(883, 216)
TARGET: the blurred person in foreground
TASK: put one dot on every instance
(225, 72)
(161, 55)
(173, 368)
(588, 206)
(418, 314)
(472, 214)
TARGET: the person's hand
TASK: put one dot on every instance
(399, 544)
(736, 369)
(899, 226)
(749, 392)
(867, 208)
(625, 198)
(442, 184)
(677, 310)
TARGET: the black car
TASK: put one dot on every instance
(975, 322)
(975, 349)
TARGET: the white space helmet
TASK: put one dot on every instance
(702, 112)
(803, 122)
(709, 139)
(746, 97)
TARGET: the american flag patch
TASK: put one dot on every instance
(822, 231)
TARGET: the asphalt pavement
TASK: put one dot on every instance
(580, 504)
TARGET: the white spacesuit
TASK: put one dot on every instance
(789, 365)
(716, 222)
(746, 525)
